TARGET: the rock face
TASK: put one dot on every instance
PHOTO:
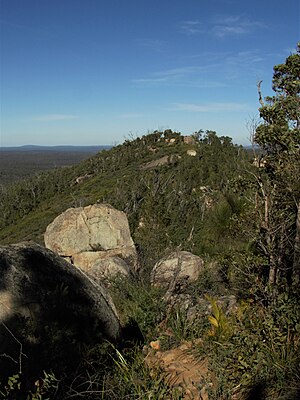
(88, 235)
(191, 153)
(160, 161)
(49, 311)
(179, 268)
(99, 266)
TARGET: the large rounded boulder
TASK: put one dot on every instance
(92, 233)
(49, 312)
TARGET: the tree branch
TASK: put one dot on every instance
(260, 98)
(21, 354)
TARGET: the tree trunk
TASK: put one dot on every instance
(296, 260)
(272, 274)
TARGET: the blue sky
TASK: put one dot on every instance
(87, 72)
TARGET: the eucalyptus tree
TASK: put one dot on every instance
(278, 136)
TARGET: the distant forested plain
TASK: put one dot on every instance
(17, 163)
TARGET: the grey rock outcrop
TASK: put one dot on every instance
(191, 153)
(160, 162)
(49, 311)
(98, 229)
(174, 273)
(203, 306)
(178, 268)
(101, 266)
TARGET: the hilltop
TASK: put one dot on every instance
(161, 180)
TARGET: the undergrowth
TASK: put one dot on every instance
(258, 345)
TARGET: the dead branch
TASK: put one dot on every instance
(21, 354)
(260, 98)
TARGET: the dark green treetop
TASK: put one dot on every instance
(280, 131)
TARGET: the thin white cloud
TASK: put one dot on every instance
(151, 44)
(131, 115)
(54, 117)
(40, 33)
(222, 31)
(234, 25)
(222, 26)
(210, 107)
(169, 75)
(149, 81)
(181, 71)
(188, 76)
(245, 63)
(191, 27)
(211, 70)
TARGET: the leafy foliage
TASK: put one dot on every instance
(263, 347)
(138, 303)
(220, 326)
(137, 381)
(44, 388)
(279, 188)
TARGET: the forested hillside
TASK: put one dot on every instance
(188, 200)
(238, 210)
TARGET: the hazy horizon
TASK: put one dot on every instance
(61, 146)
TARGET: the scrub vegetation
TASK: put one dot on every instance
(239, 210)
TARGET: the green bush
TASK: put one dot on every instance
(138, 303)
(263, 347)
